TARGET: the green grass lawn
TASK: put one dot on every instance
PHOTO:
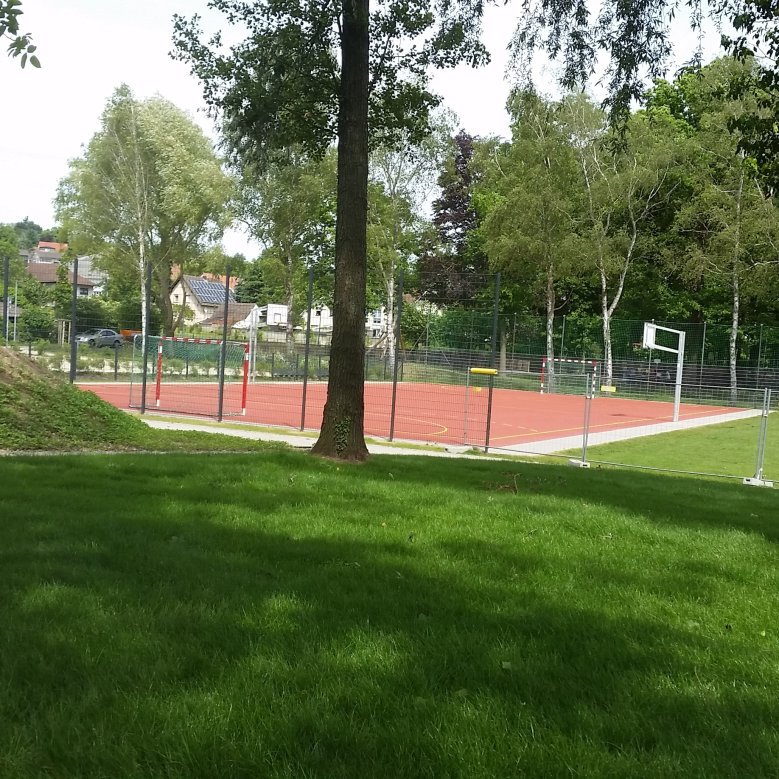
(275, 615)
(729, 448)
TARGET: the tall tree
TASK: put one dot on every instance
(306, 74)
(533, 203)
(148, 189)
(289, 207)
(729, 219)
(403, 178)
(28, 233)
(452, 268)
(623, 186)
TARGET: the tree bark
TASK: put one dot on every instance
(735, 287)
(391, 346)
(733, 354)
(550, 308)
(342, 433)
(290, 332)
(164, 302)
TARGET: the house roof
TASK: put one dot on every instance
(235, 313)
(234, 280)
(53, 245)
(207, 293)
(46, 273)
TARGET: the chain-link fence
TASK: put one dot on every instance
(445, 365)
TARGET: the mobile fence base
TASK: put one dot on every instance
(751, 481)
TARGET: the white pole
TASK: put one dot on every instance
(16, 308)
(679, 369)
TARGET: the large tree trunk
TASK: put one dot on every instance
(342, 433)
(164, 302)
(550, 308)
(142, 270)
(735, 287)
(391, 347)
(606, 316)
(290, 334)
(733, 354)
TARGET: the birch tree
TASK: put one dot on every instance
(148, 190)
(623, 185)
(406, 176)
(534, 201)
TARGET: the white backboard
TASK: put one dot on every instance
(650, 331)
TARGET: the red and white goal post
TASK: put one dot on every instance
(567, 375)
(200, 354)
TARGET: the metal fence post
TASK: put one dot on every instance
(759, 357)
(589, 394)
(398, 332)
(562, 339)
(6, 282)
(223, 349)
(761, 437)
(703, 350)
(145, 338)
(73, 324)
(309, 300)
(495, 313)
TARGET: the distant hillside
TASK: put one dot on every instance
(41, 411)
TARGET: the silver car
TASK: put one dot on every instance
(100, 338)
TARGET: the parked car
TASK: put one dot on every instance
(100, 337)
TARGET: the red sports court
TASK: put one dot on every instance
(426, 412)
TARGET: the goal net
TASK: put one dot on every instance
(183, 375)
(567, 376)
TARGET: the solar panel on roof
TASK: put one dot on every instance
(208, 292)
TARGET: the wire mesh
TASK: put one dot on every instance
(183, 375)
(447, 330)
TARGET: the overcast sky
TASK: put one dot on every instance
(89, 47)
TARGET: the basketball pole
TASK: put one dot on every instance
(679, 371)
(494, 360)
(649, 341)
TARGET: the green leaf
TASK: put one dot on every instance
(24, 59)
(34, 61)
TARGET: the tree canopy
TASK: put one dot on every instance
(19, 43)
(148, 189)
(306, 74)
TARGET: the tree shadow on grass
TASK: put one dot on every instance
(662, 498)
(190, 634)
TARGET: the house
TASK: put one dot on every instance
(376, 321)
(204, 298)
(45, 273)
(87, 270)
(14, 312)
(47, 251)
(236, 313)
(273, 315)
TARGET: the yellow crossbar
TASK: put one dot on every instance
(485, 371)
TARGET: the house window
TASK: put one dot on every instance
(377, 316)
(176, 298)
